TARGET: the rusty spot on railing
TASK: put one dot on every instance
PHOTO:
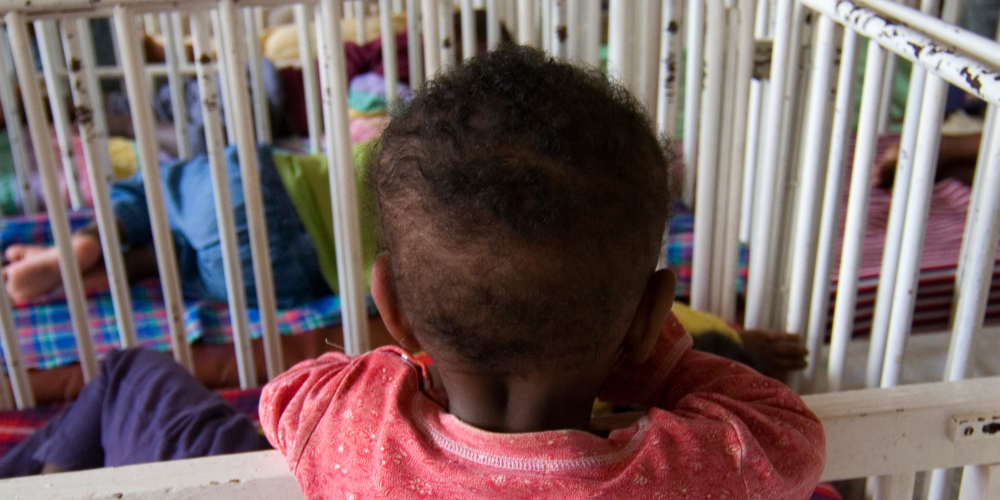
(85, 115)
(672, 27)
(446, 43)
(561, 33)
(972, 80)
(74, 64)
(204, 59)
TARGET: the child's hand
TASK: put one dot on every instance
(777, 352)
(884, 170)
(32, 271)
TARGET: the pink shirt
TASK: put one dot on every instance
(368, 427)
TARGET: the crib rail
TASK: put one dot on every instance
(888, 431)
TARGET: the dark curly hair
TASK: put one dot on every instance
(522, 203)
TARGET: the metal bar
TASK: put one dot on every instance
(14, 360)
(666, 109)
(38, 127)
(646, 67)
(545, 19)
(813, 172)
(887, 89)
(721, 293)
(974, 196)
(558, 30)
(759, 272)
(261, 108)
(708, 160)
(413, 47)
(620, 43)
(895, 487)
(446, 33)
(977, 481)
(235, 288)
(592, 43)
(390, 68)
(469, 43)
(526, 32)
(178, 100)
(94, 143)
(431, 36)
(15, 130)
(917, 206)
(250, 176)
(227, 99)
(163, 242)
(975, 45)
(47, 39)
(492, 24)
(303, 19)
(741, 105)
(757, 93)
(360, 20)
(98, 113)
(346, 226)
(959, 70)
(694, 29)
(894, 228)
(857, 212)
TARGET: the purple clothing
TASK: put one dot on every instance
(142, 407)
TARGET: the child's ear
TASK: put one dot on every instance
(653, 310)
(383, 292)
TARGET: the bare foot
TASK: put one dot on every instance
(34, 270)
(777, 352)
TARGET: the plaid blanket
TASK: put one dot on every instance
(46, 333)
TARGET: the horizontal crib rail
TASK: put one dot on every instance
(888, 431)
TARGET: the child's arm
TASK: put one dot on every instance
(292, 404)
(724, 416)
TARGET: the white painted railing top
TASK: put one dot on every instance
(873, 431)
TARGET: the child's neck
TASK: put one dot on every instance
(533, 403)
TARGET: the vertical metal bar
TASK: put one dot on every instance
(767, 176)
(98, 114)
(708, 160)
(261, 106)
(620, 43)
(447, 32)
(163, 242)
(178, 100)
(593, 20)
(577, 29)
(38, 126)
(545, 19)
(346, 226)
(303, 18)
(526, 33)
(235, 288)
(397, 6)
(750, 167)
(149, 23)
(558, 30)
(646, 68)
(413, 36)
(469, 43)
(45, 36)
(431, 36)
(227, 100)
(832, 195)
(973, 197)
(914, 226)
(492, 24)
(857, 211)
(250, 175)
(887, 90)
(894, 229)
(360, 20)
(719, 251)
(813, 169)
(15, 131)
(23, 395)
(390, 68)
(694, 29)
(741, 104)
(976, 481)
(666, 109)
(94, 142)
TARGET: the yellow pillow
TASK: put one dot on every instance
(697, 322)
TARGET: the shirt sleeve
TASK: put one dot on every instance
(293, 403)
(724, 415)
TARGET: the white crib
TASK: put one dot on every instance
(780, 138)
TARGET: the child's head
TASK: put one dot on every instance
(522, 203)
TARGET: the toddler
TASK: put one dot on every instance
(522, 204)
